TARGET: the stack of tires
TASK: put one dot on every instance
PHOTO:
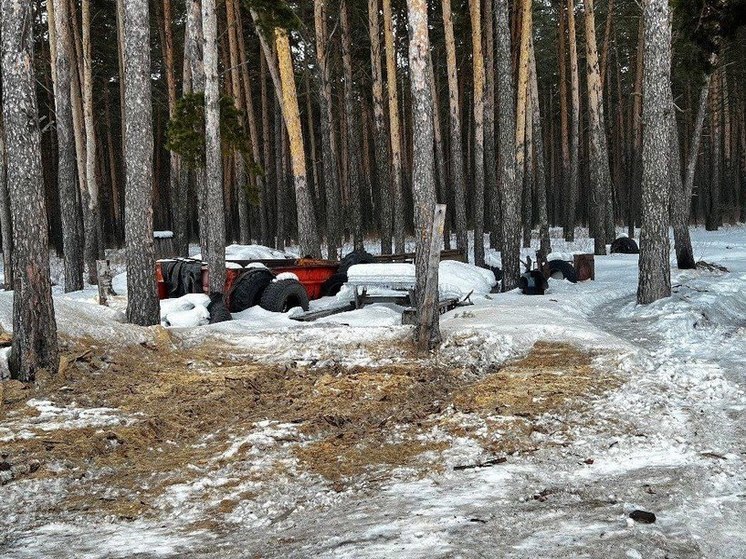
(259, 286)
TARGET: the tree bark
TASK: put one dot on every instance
(510, 198)
(261, 177)
(475, 11)
(178, 186)
(59, 27)
(457, 152)
(526, 19)
(394, 128)
(142, 304)
(34, 348)
(383, 171)
(545, 246)
(354, 177)
(490, 154)
(423, 176)
(682, 198)
(215, 204)
(307, 235)
(6, 220)
(568, 222)
(328, 138)
(574, 184)
(239, 165)
(655, 273)
(96, 246)
(601, 194)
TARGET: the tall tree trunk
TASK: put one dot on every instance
(96, 246)
(636, 177)
(490, 153)
(475, 10)
(511, 188)
(713, 219)
(307, 236)
(261, 177)
(142, 304)
(394, 129)
(381, 154)
(328, 137)
(269, 165)
(239, 165)
(681, 200)
(538, 137)
(6, 220)
(177, 186)
(440, 159)
(34, 347)
(193, 59)
(655, 273)
(59, 27)
(423, 175)
(457, 153)
(526, 15)
(568, 223)
(213, 154)
(574, 184)
(354, 178)
(601, 198)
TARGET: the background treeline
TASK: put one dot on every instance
(260, 202)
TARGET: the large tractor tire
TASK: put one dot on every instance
(248, 289)
(283, 295)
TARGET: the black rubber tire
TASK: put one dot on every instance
(283, 295)
(248, 288)
(533, 283)
(559, 269)
(217, 309)
(355, 257)
(624, 245)
(332, 286)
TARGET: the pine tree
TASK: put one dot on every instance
(510, 195)
(34, 347)
(142, 298)
(213, 154)
(655, 273)
(423, 174)
(59, 27)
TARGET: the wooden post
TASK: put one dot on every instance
(427, 311)
(104, 282)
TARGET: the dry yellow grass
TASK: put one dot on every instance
(179, 397)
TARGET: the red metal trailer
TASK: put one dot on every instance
(311, 274)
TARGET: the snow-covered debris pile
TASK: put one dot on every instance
(185, 312)
(455, 279)
(251, 252)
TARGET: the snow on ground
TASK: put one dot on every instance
(667, 436)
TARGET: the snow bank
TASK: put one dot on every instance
(455, 279)
(250, 252)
